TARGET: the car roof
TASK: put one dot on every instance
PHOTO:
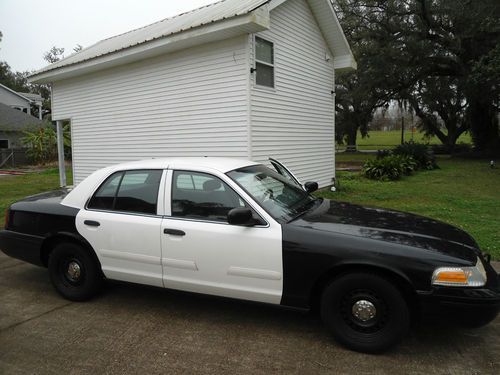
(78, 196)
(217, 163)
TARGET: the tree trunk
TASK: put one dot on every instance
(484, 125)
(351, 139)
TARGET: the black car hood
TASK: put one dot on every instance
(391, 226)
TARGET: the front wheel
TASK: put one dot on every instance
(365, 312)
(73, 272)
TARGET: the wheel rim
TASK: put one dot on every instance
(72, 271)
(364, 311)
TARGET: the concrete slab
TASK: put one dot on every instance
(134, 329)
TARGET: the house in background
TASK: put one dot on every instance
(238, 78)
(20, 100)
(12, 124)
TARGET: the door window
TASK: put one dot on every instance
(202, 196)
(130, 191)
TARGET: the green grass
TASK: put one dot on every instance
(465, 193)
(390, 139)
(13, 188)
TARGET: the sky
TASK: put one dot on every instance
(32, 27)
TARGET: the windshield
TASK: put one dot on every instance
(281, 198)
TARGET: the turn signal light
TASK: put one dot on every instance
(457, 277)
(460, 276)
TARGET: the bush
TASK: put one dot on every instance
(391, 167)
(41, 143)
(421, 153)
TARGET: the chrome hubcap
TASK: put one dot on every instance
(364, 310)
(73, 271)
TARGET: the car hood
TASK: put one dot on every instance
(390, 226)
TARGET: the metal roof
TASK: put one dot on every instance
(208, 14)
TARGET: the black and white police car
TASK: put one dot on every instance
(238, 229)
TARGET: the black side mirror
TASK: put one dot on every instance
(311, 187)
(240, 216)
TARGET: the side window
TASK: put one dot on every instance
(130, 191)
(264, 62)
(202, 196)
(103, 198)
(138, 192)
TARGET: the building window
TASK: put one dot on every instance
(264, 62)
(4, 143)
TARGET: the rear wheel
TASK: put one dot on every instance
(73, 272)
(365, 312)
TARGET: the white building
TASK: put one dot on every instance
(238, 78)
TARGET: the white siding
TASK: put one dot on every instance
(190, 103)
(294, 122)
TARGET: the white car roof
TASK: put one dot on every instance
(80, 193)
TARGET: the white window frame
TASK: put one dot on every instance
(273, 65)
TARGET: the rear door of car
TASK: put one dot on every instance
(202, 252)
(122, 223)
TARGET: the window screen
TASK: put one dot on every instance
(202, 196)
(264, 62)
(131, 191)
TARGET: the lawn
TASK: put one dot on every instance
(465, 193)
(13, 188)
(389, 139)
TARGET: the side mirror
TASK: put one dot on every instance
(311, 187)
(240, 216)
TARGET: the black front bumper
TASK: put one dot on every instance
(22, 246)
(467, 303)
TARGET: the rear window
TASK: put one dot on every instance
(128, 191)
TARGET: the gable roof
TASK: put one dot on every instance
(14, 92)
(14, 120)
(220, 20)
(32, 97)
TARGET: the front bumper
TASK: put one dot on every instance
(468, 303)
(22, 246)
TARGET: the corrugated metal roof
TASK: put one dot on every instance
(208, 14)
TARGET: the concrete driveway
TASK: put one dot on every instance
(138, 330)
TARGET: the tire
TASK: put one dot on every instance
(365, 312)
(73, 272)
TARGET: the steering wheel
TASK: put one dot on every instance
(268, 194)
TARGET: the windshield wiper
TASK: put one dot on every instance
(304, 209)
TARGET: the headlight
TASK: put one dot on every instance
(460, 276)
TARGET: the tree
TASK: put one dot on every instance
(441, 56)
(53, 55)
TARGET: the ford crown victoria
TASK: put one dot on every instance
(239, 229)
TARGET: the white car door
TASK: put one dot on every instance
(202, 253)
(122, 225)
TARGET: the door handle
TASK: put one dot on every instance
(174, 232)
(91, 223)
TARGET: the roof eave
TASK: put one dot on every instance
(255, 21)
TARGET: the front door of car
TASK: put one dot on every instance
(122, 224)
(285, 172)
(202, 253)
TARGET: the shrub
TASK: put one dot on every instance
(41, 143)
(421, 153)
(391, 167)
